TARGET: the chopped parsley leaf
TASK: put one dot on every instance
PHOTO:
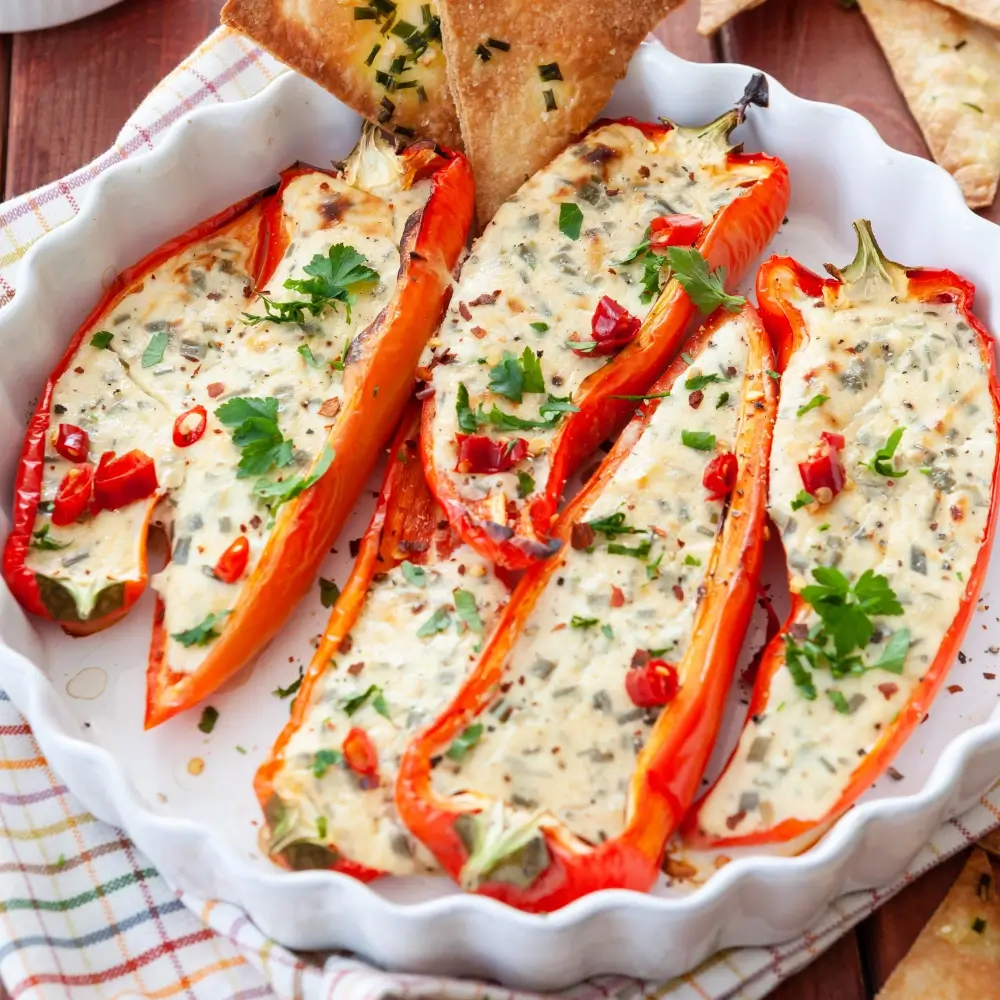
(705, 288)
(415, 575)
(690, 560)
(329, 592)
(525, 484)
(253, 422)
(723, 399)
(818, 400)
(465, 741)
(153, 354)
(802, 499)
(570, 220)
(324, 759)
(699, 440)
(697, 382)
(209, 717)
(881, 464)
(539, 326)
(577, 621)
(374, 692)
(613, 525)
(102, 340)
(515, 376)
(274, 494)
(437, 622)
(309, 357)
(607, 632)
(839, 701)
(42, 540)
(280, 692)
(465, 607)
(201, 634)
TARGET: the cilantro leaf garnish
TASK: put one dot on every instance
(802, 499)
(465, 741)
(437, 622)
(700, 381)
(329, 592)
(102, 340)
(613, 525)
(337, 276)
(253, 422)
(153, 354)
(699, 440)
(287, 692)
(42, 540)
(203, 633)
(705, 288)
(468, 611)
(275, 493)
(325, 759)
(570, 220)
(881, 464)
(549, 413)
(374, 692)
(415, 575)
(818, 400)
(515, 376)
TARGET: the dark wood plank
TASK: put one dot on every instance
(678, 32)
(73, 87)
(887, 934)
(5, 70)
(835, 975)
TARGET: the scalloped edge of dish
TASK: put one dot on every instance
(753, 900)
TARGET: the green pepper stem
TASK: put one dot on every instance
(755, 92)
(871, 274)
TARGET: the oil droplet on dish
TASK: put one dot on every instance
(88, 684)
(196, 765)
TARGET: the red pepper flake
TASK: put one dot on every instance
(355, 546)
(581, 536)
(480, 454)
(463, 311)
(694, 400)
(612, 327)
(486, 299)
(720, 476)
(955, 688)
(652, 684)
(78, 370)
(956, 513)
(330, 407)
(643, 171)
(894, 774)
(215, 389)
(346, 644)
(822, 472)
(617, 597)
(256, 521)
(673, 231)
(734, 821)
(640, 658)
(990, 677)
(678, 592)
(355, 668)
(478, 332)
(888, 689)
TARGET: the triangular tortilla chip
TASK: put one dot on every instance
(527, 76)
(715, 13)
(948, 69)
(402, 83)
(984, 11)
(957, 955)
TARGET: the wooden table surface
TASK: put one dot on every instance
(65, 93)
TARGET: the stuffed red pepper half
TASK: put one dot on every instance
(401, 637)
(578, 293)
(589, 718)
(883, 486)
(234, 389)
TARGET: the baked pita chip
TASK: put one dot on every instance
(984, 11)
(948, 69)
(381, 57)
(957, 955)
(715, 13)
(527, 76)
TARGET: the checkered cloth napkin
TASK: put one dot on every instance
(83, 915)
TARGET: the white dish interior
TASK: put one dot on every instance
(201, 831)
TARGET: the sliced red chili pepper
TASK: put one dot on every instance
(361, 755)
(654, 683)
(232, 563)
(190, 426)
(612, 327)
(674, 231)
(478, 453)
(720, 476)
(73, 495)
(822, 472)
(123, 479)
(73, 443)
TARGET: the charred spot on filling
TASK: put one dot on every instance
(333, 210)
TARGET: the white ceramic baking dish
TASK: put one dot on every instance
(201, 831)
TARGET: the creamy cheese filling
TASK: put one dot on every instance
(181, 339)
(528, 284)
(416, 668)
(562, 735)
(884, 365)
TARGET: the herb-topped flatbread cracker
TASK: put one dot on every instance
(529, 76)
(715, 13)
(957, 955)
(984, 11)
(948, 69)
(382, 57)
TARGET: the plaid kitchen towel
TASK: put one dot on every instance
(83, 915)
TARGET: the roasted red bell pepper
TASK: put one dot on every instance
(407, 527)
(512, 530)
(896, 663)
(668, 768)
(377, 381)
